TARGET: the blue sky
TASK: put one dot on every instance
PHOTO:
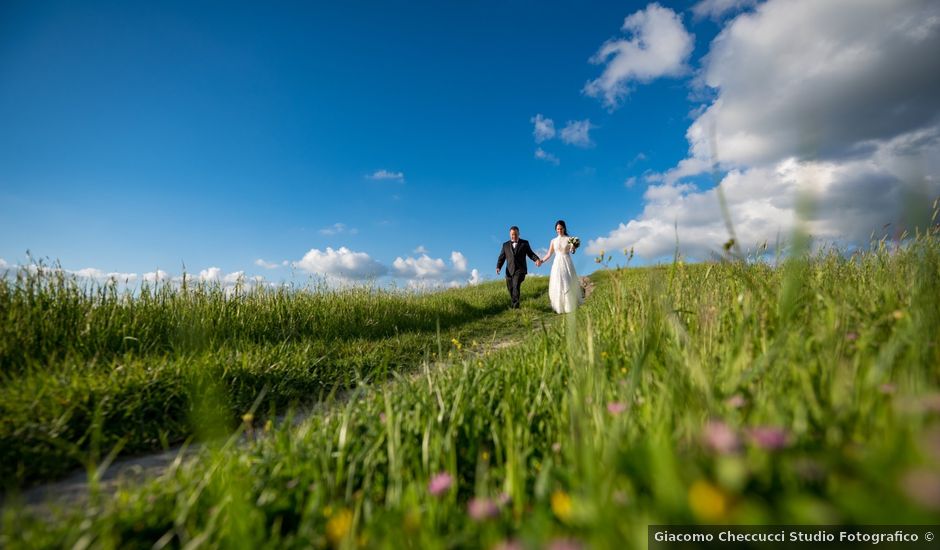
(137, 137)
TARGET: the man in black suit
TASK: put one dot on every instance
(513, 253)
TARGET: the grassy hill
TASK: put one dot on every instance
(88, 368)
(738, 392)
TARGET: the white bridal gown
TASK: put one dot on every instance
(564, 288)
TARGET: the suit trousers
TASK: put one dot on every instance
(513, 284)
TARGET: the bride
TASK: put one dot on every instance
(564, 287)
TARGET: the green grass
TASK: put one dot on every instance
(823, 376)
(89, 368)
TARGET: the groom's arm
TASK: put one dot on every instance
(501, 259)
(532, 255)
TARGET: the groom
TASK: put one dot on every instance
(514, 252)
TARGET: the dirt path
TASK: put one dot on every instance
(73, 490)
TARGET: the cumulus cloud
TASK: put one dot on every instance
(837, 100)
(100, 275)
(122, 277)
(211, 275)
(342, 263)
(657, 45)
(386, 175)
(716, 9)
(576, 132)
(156, 276)
(267, 265)
(234, 277)
(338, 228)
(542, 154)
(426, 272)
(420, 250)
(544, 128)
(89, 273)
(819, 80)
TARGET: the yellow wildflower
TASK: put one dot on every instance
(708, 503)
(338, 526)
(561, 505)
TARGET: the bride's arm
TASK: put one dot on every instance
(551, 250)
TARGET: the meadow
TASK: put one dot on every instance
(741, 390)
(90, 369)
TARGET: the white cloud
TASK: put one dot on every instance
(630, 182)
(4, 264)
(267, 265)
(576, 132)
(658, 45)
(90, 273)
(211, 275)
(544, 128)
(422, 267)
(716, 9)
(338, 228)
(386, 175)
(154, 276)
(234, 277)
(541, 154)
(420, 250)
(475, 278)
(425, 272)
(839, 100)
(122, 277)
(459, 261)
(342, 263)
(99, 275)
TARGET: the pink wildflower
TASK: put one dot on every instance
(719, 437)
(615, 407)
(440, 484)
(480, 509)
(769, 437)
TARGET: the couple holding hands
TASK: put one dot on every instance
(564, 288)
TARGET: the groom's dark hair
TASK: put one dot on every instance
(514, 228)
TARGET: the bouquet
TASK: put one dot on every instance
(574, 242)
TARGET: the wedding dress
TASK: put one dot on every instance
(564, 287)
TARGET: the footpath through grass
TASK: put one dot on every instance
(715, 393)
(89, 369)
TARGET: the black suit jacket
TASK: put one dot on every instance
(515, 259)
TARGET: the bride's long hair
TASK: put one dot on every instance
(564, 228)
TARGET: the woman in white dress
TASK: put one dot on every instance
(564, 287)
